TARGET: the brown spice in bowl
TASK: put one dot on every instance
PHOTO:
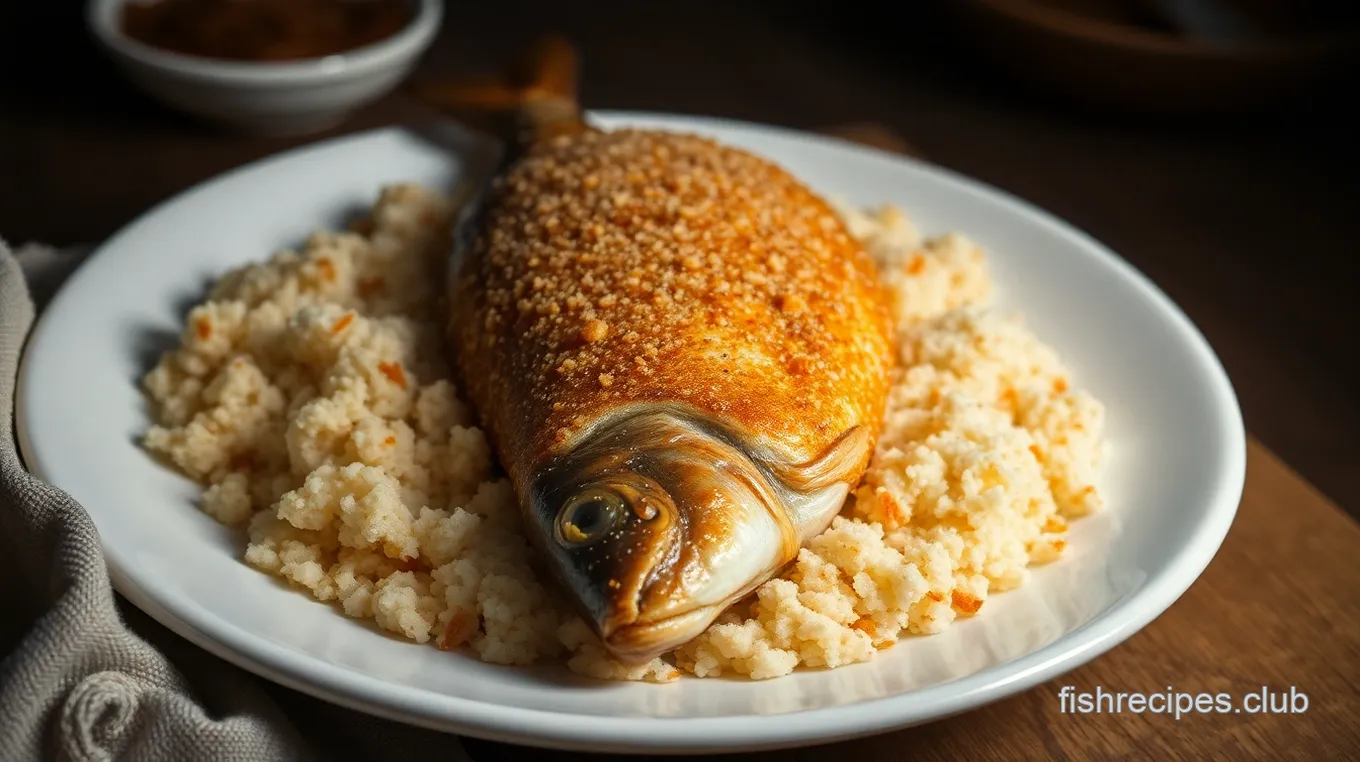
(263, 30)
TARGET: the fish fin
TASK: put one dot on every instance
(534, 100)
(843, 461)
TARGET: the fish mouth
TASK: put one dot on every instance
(635, 640)
(636, 643)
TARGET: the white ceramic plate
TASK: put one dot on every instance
(1174, 476)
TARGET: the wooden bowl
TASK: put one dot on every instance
(1093, 52)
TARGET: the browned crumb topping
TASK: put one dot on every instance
(631, 266)
(393, 372)
(594, 330)
(342, 322)
(966, 603)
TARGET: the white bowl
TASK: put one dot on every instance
(290, 98)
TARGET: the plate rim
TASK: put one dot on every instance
(554, 729)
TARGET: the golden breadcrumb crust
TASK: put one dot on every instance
(634, 266)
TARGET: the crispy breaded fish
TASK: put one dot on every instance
(681, 358)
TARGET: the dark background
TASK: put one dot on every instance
(1249, 220)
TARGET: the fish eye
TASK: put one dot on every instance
(588, 516)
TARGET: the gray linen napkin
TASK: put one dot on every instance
(84, 676)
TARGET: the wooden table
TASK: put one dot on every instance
(1276, 607)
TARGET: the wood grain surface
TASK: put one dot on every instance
(1248, 225)
(1276, 609)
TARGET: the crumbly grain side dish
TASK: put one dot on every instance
(311, 396)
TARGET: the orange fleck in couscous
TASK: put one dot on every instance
(310, 395)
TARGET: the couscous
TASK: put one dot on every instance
(311, 396)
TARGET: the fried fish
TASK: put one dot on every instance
(681, 358)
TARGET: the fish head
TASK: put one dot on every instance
(655, 525)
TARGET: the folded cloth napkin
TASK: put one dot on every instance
(84, 676)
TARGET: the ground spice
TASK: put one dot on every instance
(263, 30)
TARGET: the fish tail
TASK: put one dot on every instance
(535, 100)
(547, 75)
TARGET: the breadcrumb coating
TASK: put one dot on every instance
(631, 266)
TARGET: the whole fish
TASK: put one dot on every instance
(681, 359)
